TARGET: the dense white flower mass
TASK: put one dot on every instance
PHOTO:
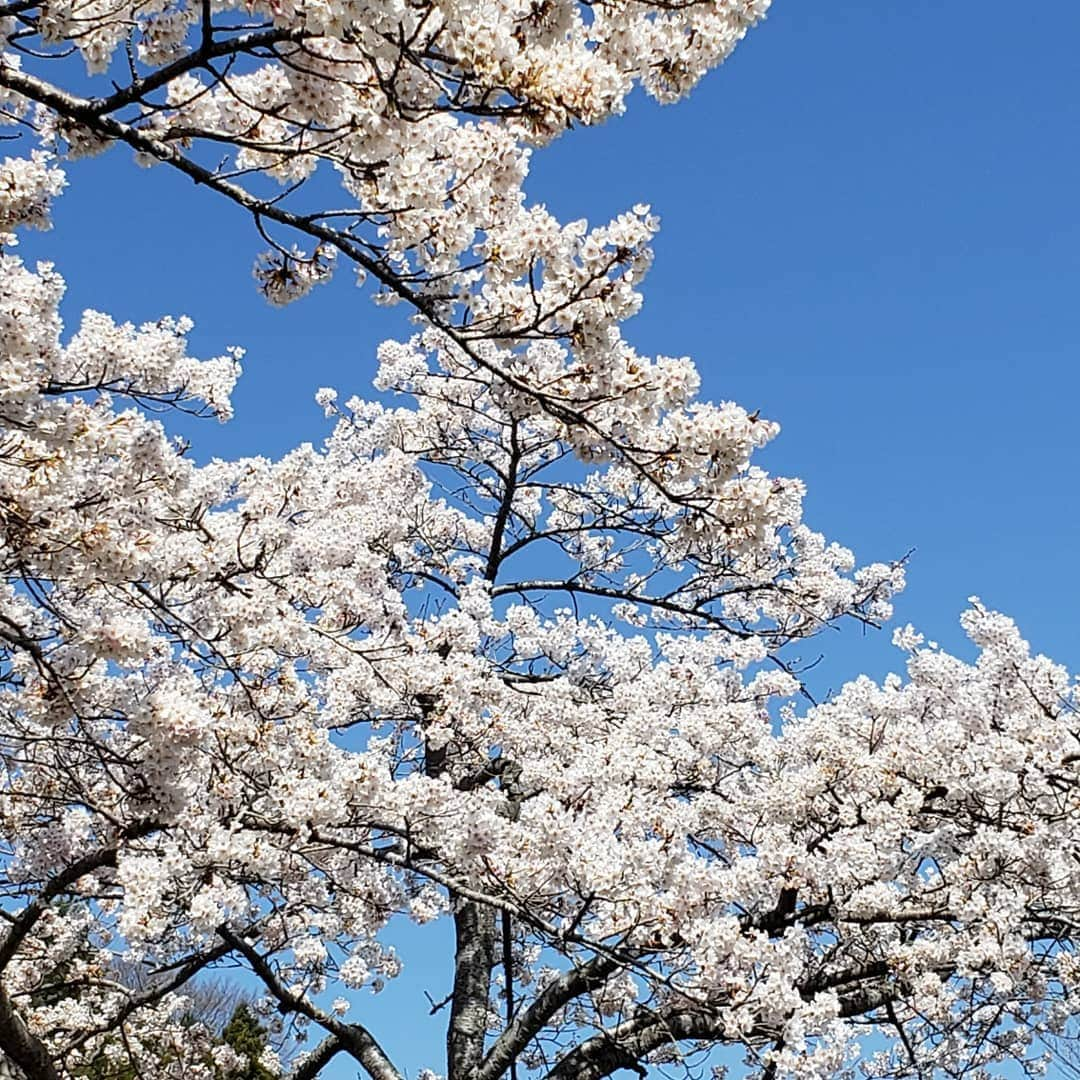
(510, 654)
(428, 112)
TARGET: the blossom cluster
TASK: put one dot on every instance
(428, 112)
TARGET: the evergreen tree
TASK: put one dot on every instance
(247, 1037)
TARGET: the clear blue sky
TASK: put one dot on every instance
(870, 232)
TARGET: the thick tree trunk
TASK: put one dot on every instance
(474, 960)
(22, 1048)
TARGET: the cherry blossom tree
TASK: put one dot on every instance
(508, 652)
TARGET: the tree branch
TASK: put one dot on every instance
(355, 1039)
(60, 883)
(312, 1064)
(532, 1020)
(25, 1049)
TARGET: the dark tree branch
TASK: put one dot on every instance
(314, 1063)
(355, 1039)
(532, 1020)
(25, 1049)
(60, 883)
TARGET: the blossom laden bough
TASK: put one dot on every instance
(427, 111)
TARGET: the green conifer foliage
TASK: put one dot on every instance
(247, 1037)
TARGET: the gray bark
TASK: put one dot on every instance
(474, 959)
